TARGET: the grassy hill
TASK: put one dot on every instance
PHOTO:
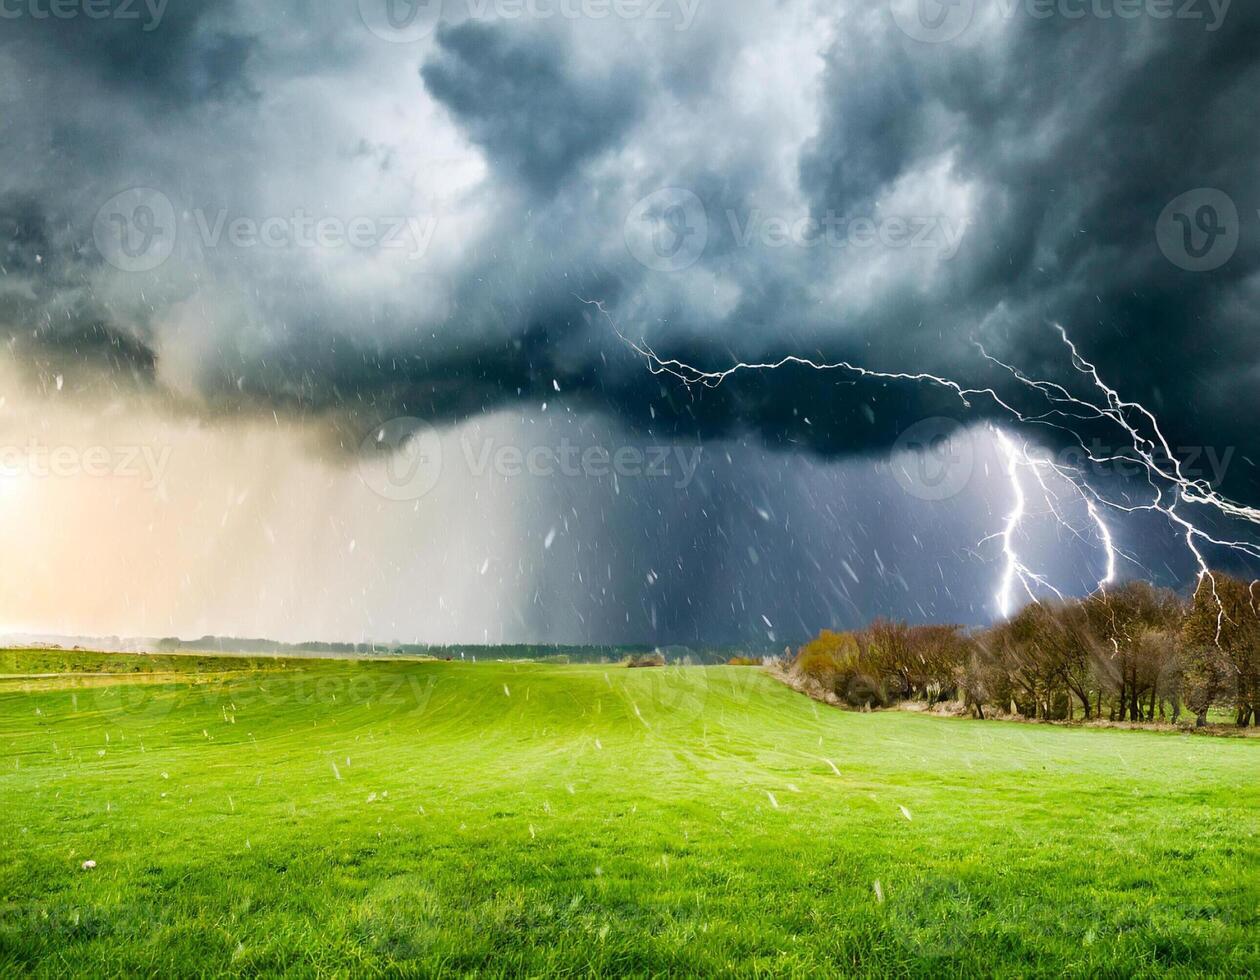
(402, 817)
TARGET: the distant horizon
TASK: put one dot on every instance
(123, 642)
(20, 640)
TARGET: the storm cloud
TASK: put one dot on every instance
(340, 220)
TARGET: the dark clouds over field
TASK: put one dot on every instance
(1055, 143)
(1008, 178)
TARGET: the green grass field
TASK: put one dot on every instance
(331, 817)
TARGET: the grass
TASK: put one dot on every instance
(329, 817)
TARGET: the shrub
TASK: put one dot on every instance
(824, 657)
(656, 659)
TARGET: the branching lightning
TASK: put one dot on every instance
(1173, 491)
(1018, 458)
(1016, 570)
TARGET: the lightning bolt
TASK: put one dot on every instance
(1173, 492)
(1015, 567)
(1017, 573)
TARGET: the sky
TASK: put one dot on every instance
(326, 320)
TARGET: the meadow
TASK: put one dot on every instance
(334, 817)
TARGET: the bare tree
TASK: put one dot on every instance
(1223, 631)
(1120, 618)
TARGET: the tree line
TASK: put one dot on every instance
(1133, 653)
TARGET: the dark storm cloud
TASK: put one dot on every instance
(517, 98)
(1055, 143)
(174, 53)
(1075, 134)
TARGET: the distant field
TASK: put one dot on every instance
(28, 662)
(322, 816)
